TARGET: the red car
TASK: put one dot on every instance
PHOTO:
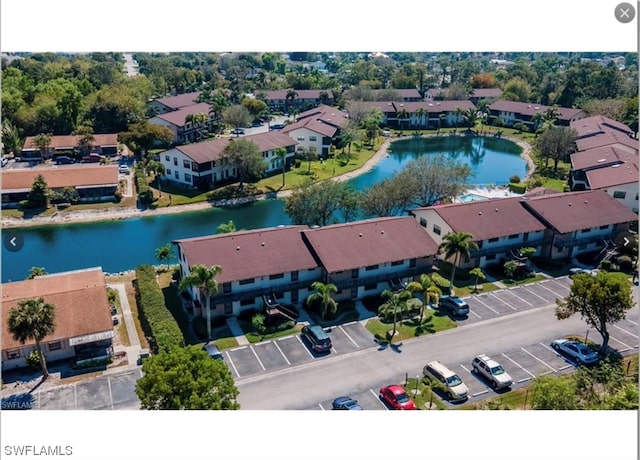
(396, 398)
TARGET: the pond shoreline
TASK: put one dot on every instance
(113, 214)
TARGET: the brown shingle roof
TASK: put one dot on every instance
(370, 242)
(178, 117)
(434, 106)
(620, 174)
(598, 124)
(71, 142)
(80, 299)
(530, 109)
(250, 254)
(487, 219)
(179, 101)
(324, 120)
(59, 177)
(608, 138)
(211, 150)
(302, 94)
(600, 157)
(568, 212)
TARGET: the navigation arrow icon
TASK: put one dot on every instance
(13, 241)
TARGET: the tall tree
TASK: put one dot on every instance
(457, 245)
(43, 142)
(203, 278)
(237, 116)
(86, 138)
(397, 302)
(281, 154)
(164, 254)
(430, 292)
(555, 143)
(141, 136)
(35, 272)
(601, 300)
(40, 193)
(186, 378)
(290, 99)
(33, 319)
(246, 158)
(319, 203)
(200, 121)
(322, 296)
(371, 125)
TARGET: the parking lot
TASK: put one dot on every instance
(492, 304)
(293, 350)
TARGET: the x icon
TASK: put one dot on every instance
(624, 13)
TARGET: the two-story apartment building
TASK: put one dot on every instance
(271, 261)
(317, 128)
(303, 99)
(512, 112)
(598, 125)
(172, 103)
(201, 165)
(91, 183)
(83, 324)
(182, 129)
(499, 227)
(102, 144)
(366, 257)
(609, 138)
(405, 94)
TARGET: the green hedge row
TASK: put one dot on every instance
(518, 188)
(155, 316)
(145, 194)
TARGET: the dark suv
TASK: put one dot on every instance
(317, 337)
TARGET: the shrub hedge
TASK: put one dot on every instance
(156, 318)
(142, 186)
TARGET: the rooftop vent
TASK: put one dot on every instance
(496, 209)
(360, 235)
(382, 232)
(262, 244)
(570, 204)
(480, 213)
(237, 248)
(585, 202)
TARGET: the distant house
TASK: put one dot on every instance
(421, 114)
(271, 261)
(367, 257)
(319, 128)
(84, 328)
(172, 103)
(92, 183)
(200, 165)
(304, 98)
(608, 168)
(407, 95)
(476, 95)
(559, 225)
(512, 112)
(598, 125)
(183, 130)
(102, 144)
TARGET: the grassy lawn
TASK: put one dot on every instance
(346, 313)
(131, 297)
(554, 184)
(513, 400)
(530, 279)
(432, 322)
(424, 397)
(467, 290)
(255, 338)
(174, 304)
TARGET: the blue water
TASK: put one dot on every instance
(121, 245)
(471, 197)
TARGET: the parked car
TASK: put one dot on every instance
(318, 338)
(396, 398)
(277, 126)
(237, 131)
(455, 305)
(345, 403)
(492, 371)
(575, 350)
(5, 161)
(213, 351)
(64, 160)
(124, 169)
(92, 158)
(450, 382)
(580, 271)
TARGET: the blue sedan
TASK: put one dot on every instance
(345, 403)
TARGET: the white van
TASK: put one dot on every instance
(450, 382)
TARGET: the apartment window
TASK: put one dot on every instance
(354, 292)
(280, 295)
(636, 197)
(168, 172)
(175, 162)
(245, 302)
(247, 281)
(423, 222)
(585, 230)
(493, 240)
(187, 178)
(354, 273)
(166, 158)
(294, 276)
(620, 195)
(13, 354)
(186, 164)
(436, 229)
(395, 263)
(277, 276)
(525, 237)
(312, 138)
(226, 288)
(513, 237)
(412, 263)
(177, 174)
(480, 244)
(371, 267)
(604, 227)
(294, 296)
(300, 138)
(53, 346)
(370, 287)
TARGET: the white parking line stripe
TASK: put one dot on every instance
(480, 393)
(532, 375)
(530, 291)
(349, 337)
(629, 347)
(261, 343)
(239, 348)
(535, 357)
(524, 379)
(495, 296)
(548, 348)
(259, 362)
(474, 313)
(110, 394)
(632, 322)
(465, 369)
(350, 323)
(333, 349)
(285, 338)
(320, 406)
(304, 346)
(233, 365)
(517, 296)
(625, 331)
(285, 358)
(565, 367)
(487, 306)
(379, 400)
(75, 395)
(550, 290)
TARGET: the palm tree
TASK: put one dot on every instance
(323, 296)
(290, 99)
(203, 278)
(164, 254)
(226, 227)
(458, 112)
(402, 116)
(457, 244)
(423, 112)
(33, 319)
(281, 153)
(430, 292)
(198, 120)
(395, 302)
(478, 273)
(36, 271)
